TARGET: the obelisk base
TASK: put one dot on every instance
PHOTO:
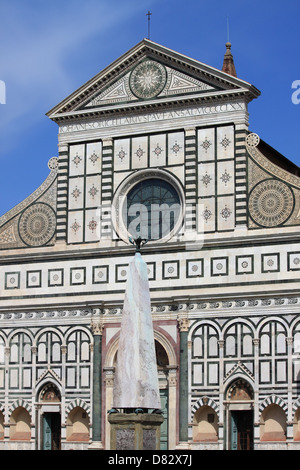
(131, 431)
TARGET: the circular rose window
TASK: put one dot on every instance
(149, 207)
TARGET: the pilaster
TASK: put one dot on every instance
(107, 188)
(62, 193)
(190, 178)
(240, 175)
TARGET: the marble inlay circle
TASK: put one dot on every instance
(270, 203)
(37, 224)
(252, 140)
(148, 79)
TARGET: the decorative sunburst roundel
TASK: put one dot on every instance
(271, 203)
(148, 79)
(37, 224)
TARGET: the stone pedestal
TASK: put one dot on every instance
(131, 431)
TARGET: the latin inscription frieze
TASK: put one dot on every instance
(152, 117)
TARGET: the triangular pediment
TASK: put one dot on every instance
(176, 83)
(239, 369)
(150, 74)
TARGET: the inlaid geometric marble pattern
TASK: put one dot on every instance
(258, 267)
(34, 278)
(37, 224)
(158, 150)
(195, 268)
(170, 269)
(121, 272)
(294, 261)
(216, 178)
(244, 264)
(155, 150)
(225, 142)
(84, 192)
(56, 277)
(12, 280)
(219, 266)
(77, 276)
(270, 262)
(271, 203)
(100, 274)
(206, 144)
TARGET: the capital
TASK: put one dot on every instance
(183, 323)
(97, 328)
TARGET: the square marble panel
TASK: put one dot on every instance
(294, 261)
(270, 263)
(170, 269)
(33, 278)
(244, 264)
(55, 277)
(100, 274)
(121, 272)
(12, 280)
(194, 268)
(77, 276)
(151, 270)
(219, 266)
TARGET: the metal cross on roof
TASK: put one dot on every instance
(149, 14)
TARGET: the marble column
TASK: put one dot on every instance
(97, 379)
(183, 325)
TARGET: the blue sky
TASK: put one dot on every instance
(49, 48)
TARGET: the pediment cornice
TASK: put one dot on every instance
(108, 91)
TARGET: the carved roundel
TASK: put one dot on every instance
(148, 79)
(252, 140)
(37, 224)
(53, 163)
(271, 203)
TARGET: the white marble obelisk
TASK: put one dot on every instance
(136, 379)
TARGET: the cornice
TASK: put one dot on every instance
(162, 104)
(44, 254)
(192, 309)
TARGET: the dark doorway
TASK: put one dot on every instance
(51, 431)
(241, 430)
